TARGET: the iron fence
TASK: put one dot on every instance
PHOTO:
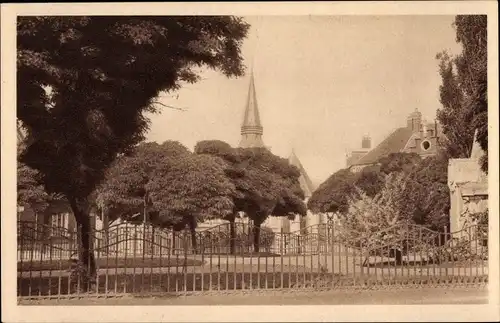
(146, 260)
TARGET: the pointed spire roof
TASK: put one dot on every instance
(305, 182)
(251, 128)
(251, 120)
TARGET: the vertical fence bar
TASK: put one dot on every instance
(96, 240)
(126, 237)
(19, 265)
(235, 247)
(170, 251)
(281, 258)
(152, 242)
(267, 272)
(258, 261)
(211, 263)
(332, 252)
(469, 240)
(446, 250)
(296, 255)
(118, 250)
(79, 247)
(31, 252)
(50, 266)
(106, 250)
(40, 245)
(218, 259)
(252, 250)
(59, 278)
(420, 246)
(184, 263)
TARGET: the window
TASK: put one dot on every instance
(426, 145)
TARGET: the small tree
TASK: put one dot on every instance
(375, 222)
(265, 184)
(333, 194)
(174, 187)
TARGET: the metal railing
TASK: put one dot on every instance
(146, 260)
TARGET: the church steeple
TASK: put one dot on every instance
(251, 128)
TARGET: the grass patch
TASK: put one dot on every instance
(111, 263)
(156, 284)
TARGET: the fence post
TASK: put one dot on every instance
(281, 240)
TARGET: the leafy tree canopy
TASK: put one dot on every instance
(332, 195)
(265, 183)
(427, 194)
(398, 162)
(85, 82)
(463, 92)
(174, 185)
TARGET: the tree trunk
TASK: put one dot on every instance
(81, 211)
(399, 257)
(45, 229)
(192, 230)
(232, 233)
(256, 235)
(105, 227)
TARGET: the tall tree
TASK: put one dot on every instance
(85, 82)
(265, 184)
(169, 185)
(427, 196)
(463, 93)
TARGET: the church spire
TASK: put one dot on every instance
(251, 128)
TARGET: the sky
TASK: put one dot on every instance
(322, 82)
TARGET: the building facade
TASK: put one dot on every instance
(468, 186)
(418, 136)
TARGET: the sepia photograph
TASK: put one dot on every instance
(249, 159)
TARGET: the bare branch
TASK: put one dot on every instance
(168, 106)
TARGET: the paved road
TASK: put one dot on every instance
(408, 296)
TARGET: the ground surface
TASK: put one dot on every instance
(395, 296)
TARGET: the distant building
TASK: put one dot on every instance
(418, 136)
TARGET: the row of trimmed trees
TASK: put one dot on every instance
(175, 188)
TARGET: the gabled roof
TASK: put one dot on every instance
(305, 182)
(394, 143)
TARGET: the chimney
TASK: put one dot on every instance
(366, 143)
(414, 121)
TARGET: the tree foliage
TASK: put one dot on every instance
(170, 184)
(265, 183)
(398, 162)
(427, 194)
(463, 93)
(368, 217)
(84, 84)
(334, 194)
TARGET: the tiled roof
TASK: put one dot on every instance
(394, 143)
